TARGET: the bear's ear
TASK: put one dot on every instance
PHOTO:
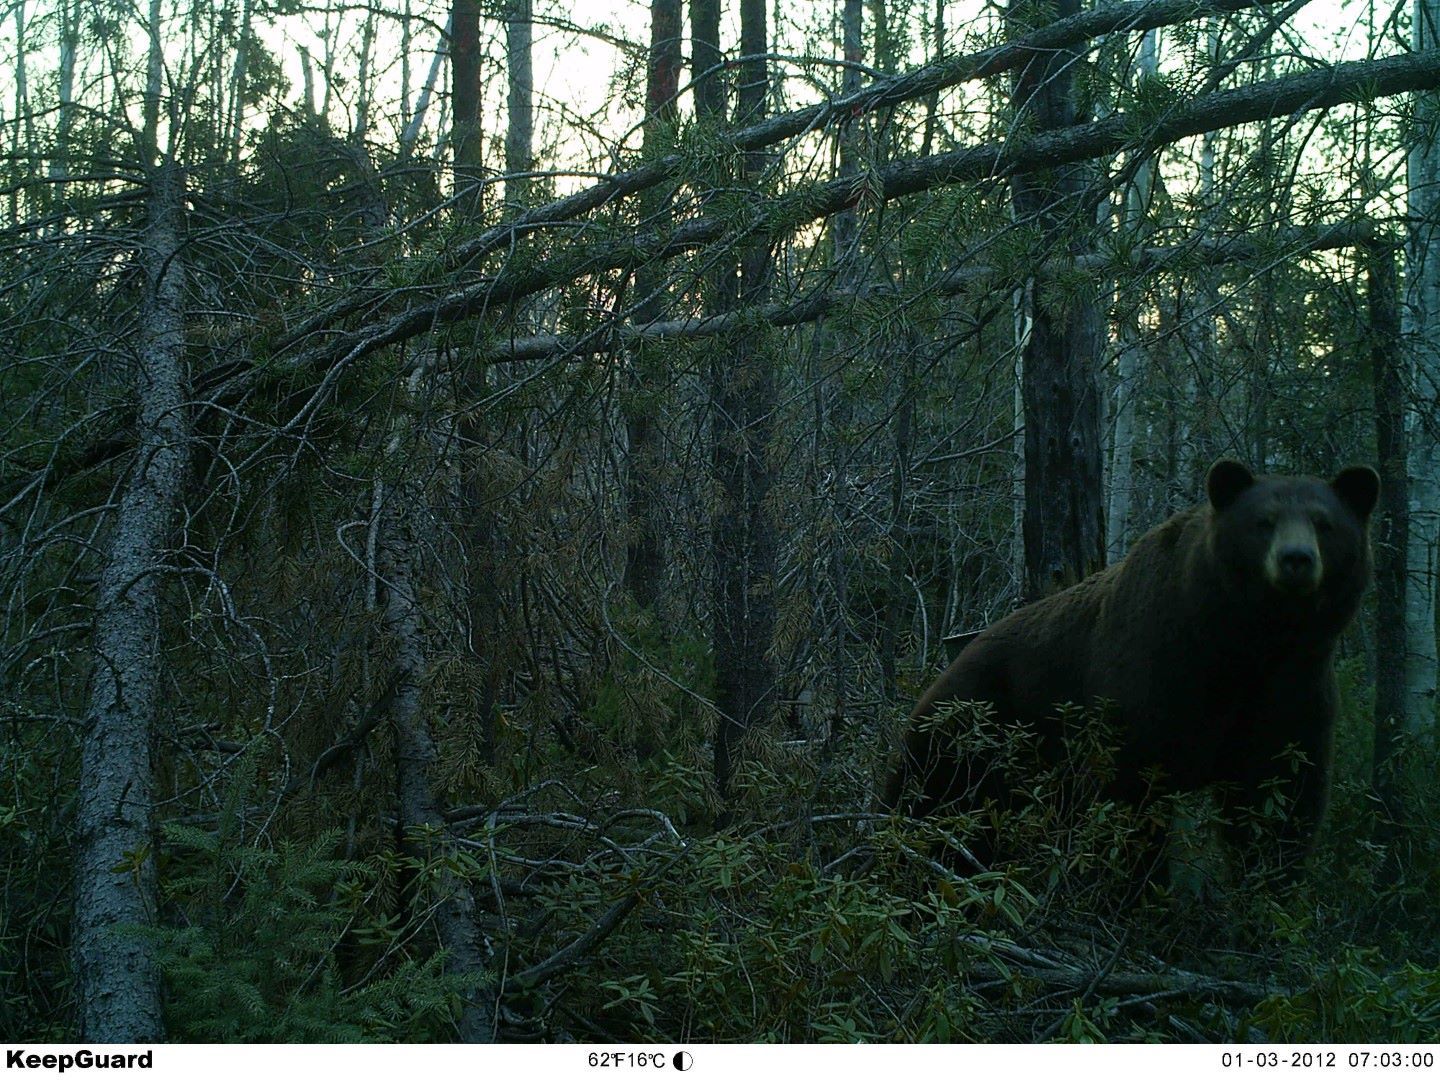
(1226, 482)
(1358, 488)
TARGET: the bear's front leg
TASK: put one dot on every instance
(1280, 780)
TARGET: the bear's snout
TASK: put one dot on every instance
(1298, 565)
(1293, 563)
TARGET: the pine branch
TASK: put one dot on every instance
(1132, 16)
(1320, 89)
(1202, 250)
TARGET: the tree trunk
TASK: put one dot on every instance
(706, 60)
(520, 129)
(23, 115)
(897, 600)
(844, 224)
(150, 107)
(743, 400)
(644, 547)
(411, 133)
(831, 412)
(465, 94)
(1064, 529)
(1421, 329)
(69, 42)
(1127, 380)
(363, 87)
(932, 107)
(117, 984)
(422, 825)
(239, 77)
(482, 595)
(1391, 519)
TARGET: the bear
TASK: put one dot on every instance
(1209, 646)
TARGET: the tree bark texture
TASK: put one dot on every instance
(1127, 363)
(1390, 528)
(520, 128)
(412, 128)
(705, 72)
(644, 547)
(1064, 528)
(742, 412)
(421, 822)
(1421, 329)
(465, 128)
(117, 984)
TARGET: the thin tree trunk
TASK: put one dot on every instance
(831, 399)
(644, 548)
(1193, 402)
(1421, 328)
(22, 140)
(465, 93)
(897, 601)
(1127, 382)
(117, 983)
(845, 233)
(327, 67)
(154, 83)
(1064, 513)
(1391, 520)
(411, 133)
(24, 115)
(69, 43)
(520, 129)
(932, 107)
(897, 593)
(422, 823)
(743, 397)
(363, 89)
(238, 79)
(1020, 336)
(706, 76)
(407, 47)
(307, 75)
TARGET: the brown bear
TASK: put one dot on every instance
(1210, 646)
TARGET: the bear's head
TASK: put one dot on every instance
(1297, 542)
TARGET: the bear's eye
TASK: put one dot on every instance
(1264, 524)
(1323, 523)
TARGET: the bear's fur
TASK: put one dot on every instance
(1210, 645)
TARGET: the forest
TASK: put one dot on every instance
(484, 482)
